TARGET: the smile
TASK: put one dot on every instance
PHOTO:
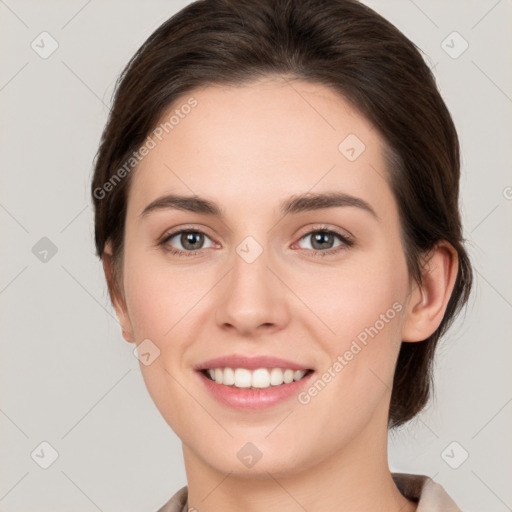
(260, 378)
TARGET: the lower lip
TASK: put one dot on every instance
(250, 399)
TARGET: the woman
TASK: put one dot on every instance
(276, 209)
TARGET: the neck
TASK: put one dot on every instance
(356, 477)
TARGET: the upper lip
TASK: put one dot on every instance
(249, 362)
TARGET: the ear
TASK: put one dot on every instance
(428, 301)
(116, 296)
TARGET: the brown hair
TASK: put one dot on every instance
(342, 44)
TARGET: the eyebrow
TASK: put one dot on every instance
(295, 204)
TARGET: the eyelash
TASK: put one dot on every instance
(346, 243)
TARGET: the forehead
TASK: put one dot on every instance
(257, 143)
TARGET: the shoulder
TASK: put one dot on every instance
(430, 495)
(178, 503)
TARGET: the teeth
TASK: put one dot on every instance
(261, 378)
(276, 376)
(228, 378)
(288, 376)
(242, 378)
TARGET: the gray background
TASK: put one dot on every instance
(66, 375)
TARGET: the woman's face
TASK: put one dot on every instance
(322, 284)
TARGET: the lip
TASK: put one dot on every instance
(250, 399)
(251, 363)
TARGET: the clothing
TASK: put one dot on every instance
(430, 496)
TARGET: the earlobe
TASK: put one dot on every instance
(128, 336)
(116, 296)
(428, 301)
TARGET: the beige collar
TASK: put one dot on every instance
(431, 496)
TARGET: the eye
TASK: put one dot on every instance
(191, 242)
(321, 241)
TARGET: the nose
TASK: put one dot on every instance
(253, 299)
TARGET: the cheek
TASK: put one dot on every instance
(347, 299)
(158, 295)
(160, 305)
(362, 305)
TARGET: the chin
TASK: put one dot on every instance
(248, 460)
(260, 470)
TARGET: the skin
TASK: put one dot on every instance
(247, 148)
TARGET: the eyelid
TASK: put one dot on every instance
(343, 233)
(183, 228)
(163, 241)
(347, 241)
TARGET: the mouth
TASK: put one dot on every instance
(259, 378)
(253, 382)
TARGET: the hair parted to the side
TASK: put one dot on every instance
(341, 44)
